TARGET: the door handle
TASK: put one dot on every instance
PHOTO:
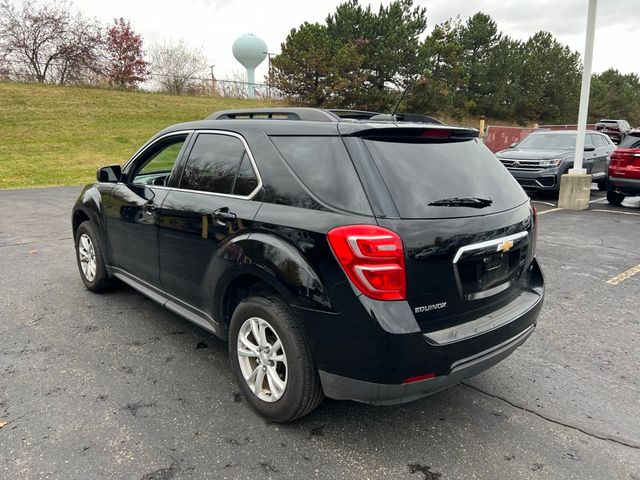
(223, 215)
(150, 208)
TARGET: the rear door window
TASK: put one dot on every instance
(417, 174)
(219, 163)
(323, 165)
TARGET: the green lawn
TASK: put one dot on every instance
(51, 135)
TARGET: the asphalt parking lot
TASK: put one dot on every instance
(114, 386)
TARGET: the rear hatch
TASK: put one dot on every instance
(625, 160)
(466, 225)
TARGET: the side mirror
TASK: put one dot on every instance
(513, 145)
(589, 148)
(111, 174)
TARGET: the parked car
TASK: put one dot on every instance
(355, 259)
(542, 157)
(624, 169)
(615, 129)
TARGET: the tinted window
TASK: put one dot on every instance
(213, 164)
(630, 141)
(417, 174)
(324, 167)
(246, 181)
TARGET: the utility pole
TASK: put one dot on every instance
(575, 187)
(213, 81)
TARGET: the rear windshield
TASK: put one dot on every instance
(417, 174)
(630, 141)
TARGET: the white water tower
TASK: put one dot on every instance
(250, 51)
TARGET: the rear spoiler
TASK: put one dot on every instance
(416, 132)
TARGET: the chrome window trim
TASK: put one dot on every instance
(489, 243)
(250, 196)
(148, 145)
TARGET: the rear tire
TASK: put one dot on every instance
(602, 184)
(90, 258)
(615, 198)
(296, 391)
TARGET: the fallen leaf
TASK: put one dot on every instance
(2, 423)
(33, 252)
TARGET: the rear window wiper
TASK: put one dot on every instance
(473, 202)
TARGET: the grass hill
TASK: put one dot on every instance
(53, 135)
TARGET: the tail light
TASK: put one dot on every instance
(373, 259)
(625, 157)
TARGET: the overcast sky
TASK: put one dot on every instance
(213, 25)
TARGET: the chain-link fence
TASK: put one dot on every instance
(235, 87)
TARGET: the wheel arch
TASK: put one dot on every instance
(268, 265)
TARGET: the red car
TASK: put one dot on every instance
(624, 169)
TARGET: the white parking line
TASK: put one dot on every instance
(549, 211)
(599, 200)
(544, 203)
(615, 211)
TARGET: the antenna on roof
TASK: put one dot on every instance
(393, 112)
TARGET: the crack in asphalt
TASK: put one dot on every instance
(592, 247)
(34, 241)
(590, 433)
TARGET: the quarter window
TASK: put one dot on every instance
(219, 164)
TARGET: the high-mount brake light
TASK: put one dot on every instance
(373, 259)
(436, 133)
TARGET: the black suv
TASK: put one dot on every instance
(615, 129)
(377, 261)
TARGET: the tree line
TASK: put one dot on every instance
(361, 58)
(47, 42)
(358, 58)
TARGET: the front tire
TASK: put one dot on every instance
(90, 257)
(615, 198)
(271, 360)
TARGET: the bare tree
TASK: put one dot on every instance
(46, 42)
(235, 86)
(176, 67)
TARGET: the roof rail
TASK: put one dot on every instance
(318, 115)
(295, 113)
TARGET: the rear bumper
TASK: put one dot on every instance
(367, 352)
(628, 186)
(343, 388)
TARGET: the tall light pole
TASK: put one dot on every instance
(575, 187)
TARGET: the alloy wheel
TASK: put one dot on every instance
(87, 254)
(262, 359)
